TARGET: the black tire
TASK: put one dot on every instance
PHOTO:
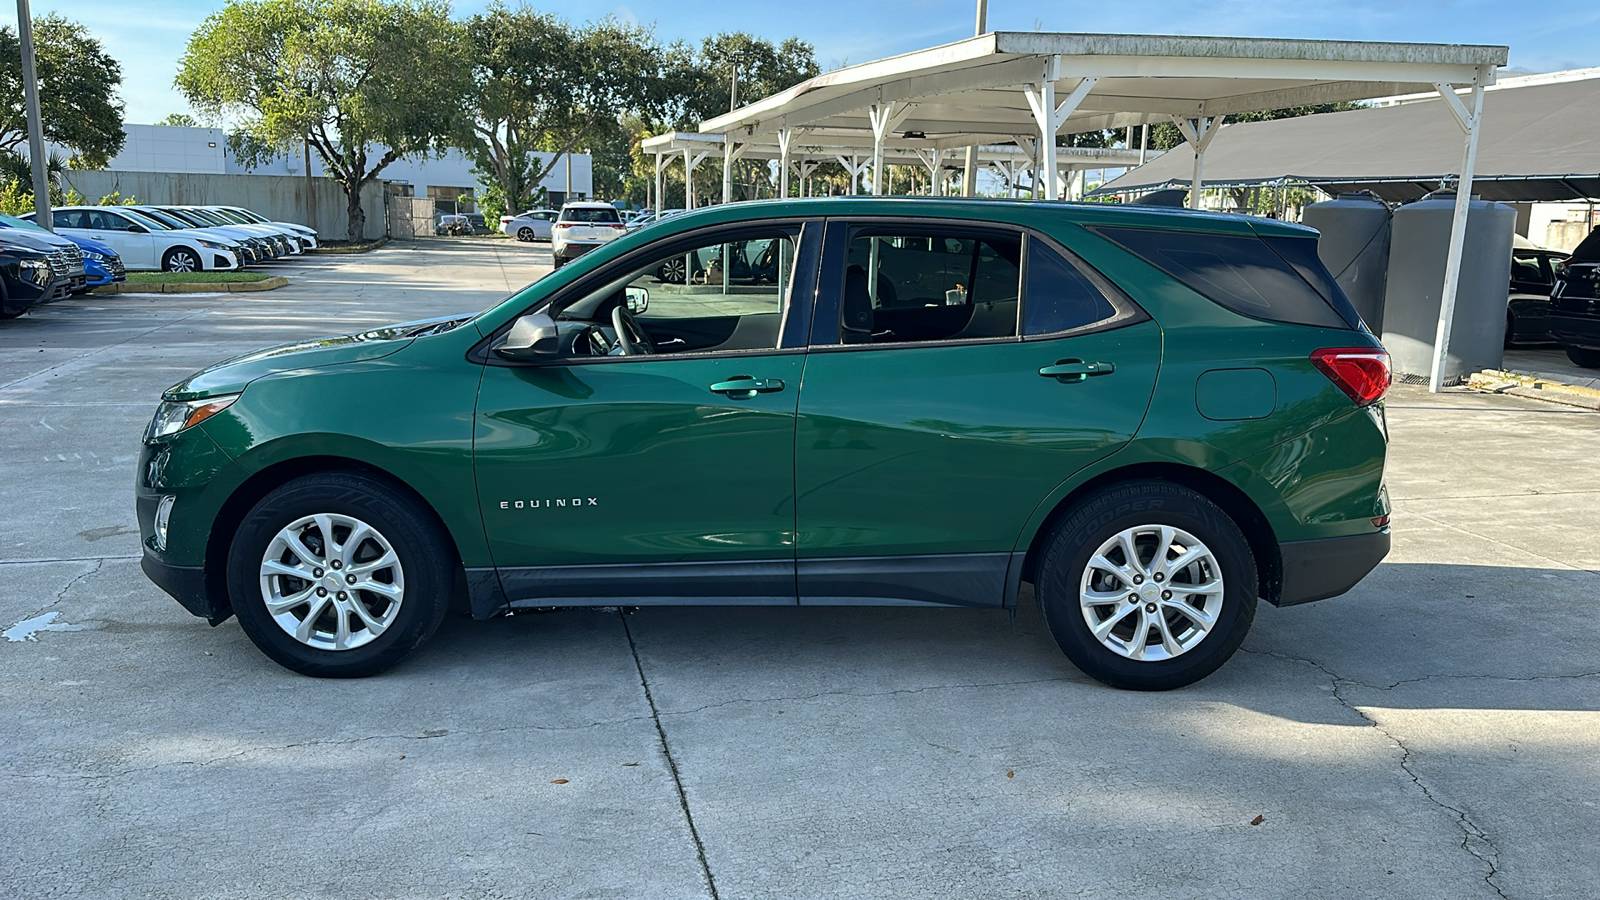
(173, 259)
(417, 540)
(525, 234)
(1102, 516)
(1589, 359)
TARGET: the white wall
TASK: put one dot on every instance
(165, 148)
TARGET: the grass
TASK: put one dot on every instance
(195, 277)
(349, 247)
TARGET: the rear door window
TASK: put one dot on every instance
(910, 285)
(1059, 297)
(1242, 273)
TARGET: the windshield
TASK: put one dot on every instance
(162, 218)
(14, 222)
(232, 218)
(183, 216)
(143, 219)
(249, 216)
(206, 216)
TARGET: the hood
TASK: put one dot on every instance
(92, 244)
(232, 375)
(16, 237)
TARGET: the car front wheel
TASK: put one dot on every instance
(525, 234)
(339, 576)
(1147, 586)
(180, 259)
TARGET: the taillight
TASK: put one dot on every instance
(1361, 372)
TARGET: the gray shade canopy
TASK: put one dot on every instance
(1540, 142)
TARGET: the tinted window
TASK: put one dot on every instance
(1301, 253)
(590, 214)
(1059, 297)
(1239, 272)
(903, 286)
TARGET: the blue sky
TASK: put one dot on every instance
(149, 36)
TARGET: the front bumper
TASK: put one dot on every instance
(1319, 569)
(187, 585)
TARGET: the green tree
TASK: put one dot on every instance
(181, 120)
(364, 82)
(78, 100)
(540, 84)
(704, 79)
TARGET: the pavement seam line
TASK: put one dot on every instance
(1470, 830)
(861, 694)
(1560, 562)
(672, 765)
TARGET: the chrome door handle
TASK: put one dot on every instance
(1070, 371)
(743, 387)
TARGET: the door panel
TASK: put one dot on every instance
(938, 449)
(638, 461)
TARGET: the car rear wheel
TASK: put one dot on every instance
(339, 576)
(1147, 586)
(1589, 359)
(525, 234)
(180, 259)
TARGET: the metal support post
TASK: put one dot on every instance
(785, 138)
(882, 116)
(1469, 120)
(1198, 132)
(1051, 117)
(661, 167)
(969, 173)
(30, 91)
(727, 168)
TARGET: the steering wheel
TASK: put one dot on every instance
(630, 335)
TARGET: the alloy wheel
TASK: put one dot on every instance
(182, 261)
(1151, 592)
(331, 581)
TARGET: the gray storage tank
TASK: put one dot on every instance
(1418, 245)
(1355, 247)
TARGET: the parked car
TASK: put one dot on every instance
(66, 253)
(1155, 417)
(27, 278)
(452, 223)
(276, 241)
(532, 225)
(581, 227)
(1532, 281)
(251, 248)
(306, 234)
(1575, 304)
(144, 243)
(650, 217)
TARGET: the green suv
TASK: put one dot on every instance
(1154, 417)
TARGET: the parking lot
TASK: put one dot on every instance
(1433, 734)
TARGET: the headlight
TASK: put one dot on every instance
(175, 415)
(95, 255)
(213, 245)
(37, 271)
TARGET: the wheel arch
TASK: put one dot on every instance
(1229, 497)
(250, 491)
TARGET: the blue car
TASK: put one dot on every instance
(101, 264)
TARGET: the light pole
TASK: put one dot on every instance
(30, 91)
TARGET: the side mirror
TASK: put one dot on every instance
(136, 228)
(637, 298)
(534, 336)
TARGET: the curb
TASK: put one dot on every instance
(1495, 381)
(221, 287)
(350, 249)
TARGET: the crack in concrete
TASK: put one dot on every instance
(863, 694)
(1474, 839)
(672, 764)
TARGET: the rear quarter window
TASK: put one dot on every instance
(1242, 273)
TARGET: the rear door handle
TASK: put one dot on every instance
(1069, 371)
(743, 387)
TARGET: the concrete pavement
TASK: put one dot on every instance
(1433, 734)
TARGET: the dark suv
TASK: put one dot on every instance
(1575, 303)
(1155, 417)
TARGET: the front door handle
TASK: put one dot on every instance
(1069, 371)
(743, 387)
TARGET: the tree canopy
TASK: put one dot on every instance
(363, 82)
(78, 100)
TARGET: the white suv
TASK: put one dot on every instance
(583, 227)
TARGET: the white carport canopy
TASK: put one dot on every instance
(1031, 87)
(801, 154)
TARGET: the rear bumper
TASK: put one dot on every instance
(1575, 331)
(576, 249)
(1317, 570)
